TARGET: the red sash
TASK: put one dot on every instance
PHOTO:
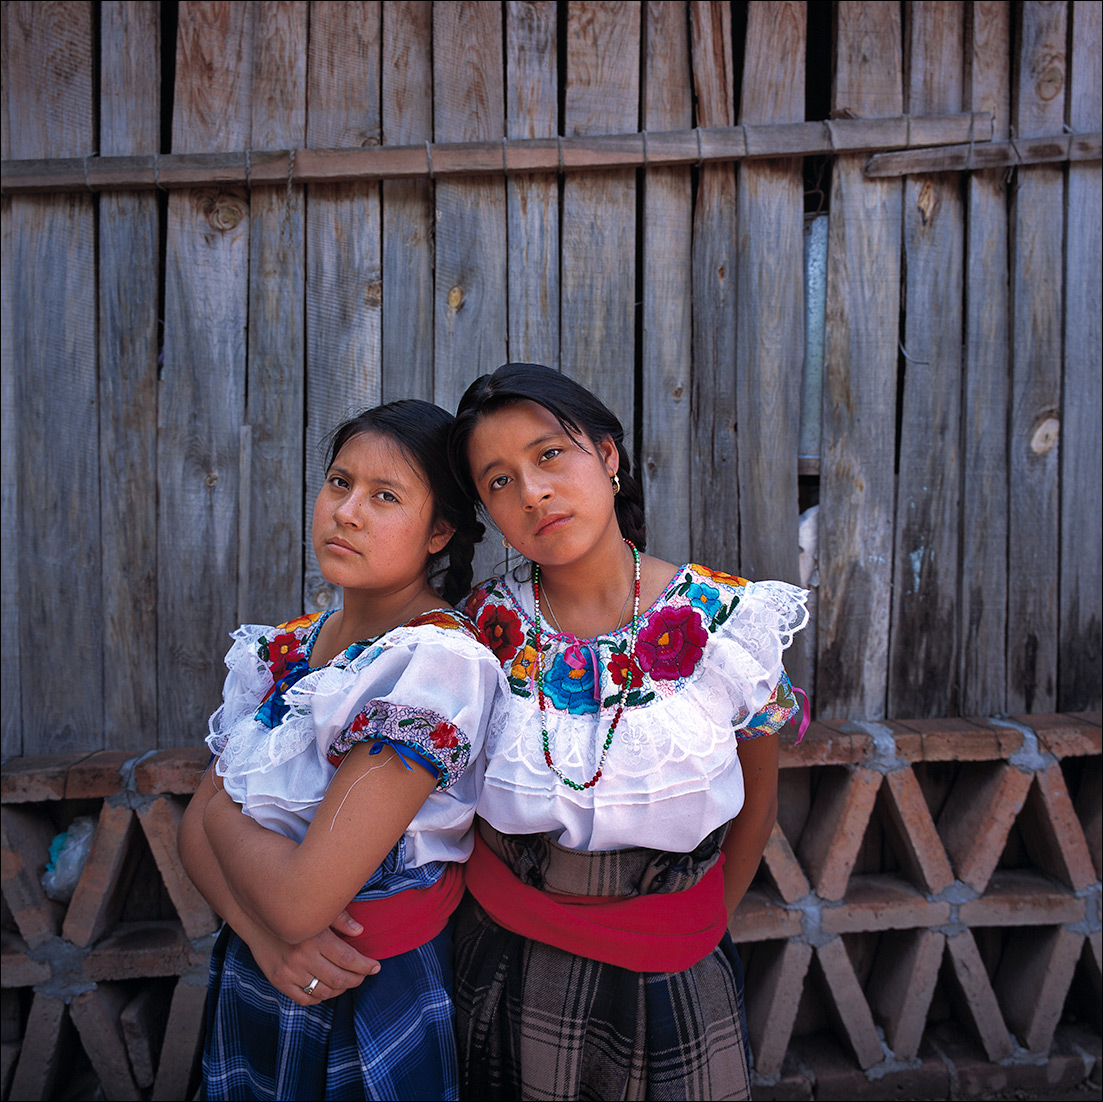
(402, 922)
(646, 933)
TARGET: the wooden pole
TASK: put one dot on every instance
(511, 156)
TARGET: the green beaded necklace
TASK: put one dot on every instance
(625, 688)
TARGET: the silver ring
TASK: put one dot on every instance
(309, 989)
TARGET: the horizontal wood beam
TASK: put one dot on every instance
(509, 156)
(957, 158)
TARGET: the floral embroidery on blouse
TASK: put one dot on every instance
(287, 656)
(672, 640)
(427, 733)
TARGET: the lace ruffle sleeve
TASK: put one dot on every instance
(424, 687)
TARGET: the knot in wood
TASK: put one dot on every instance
(1051, 80)
(224, 211)
(373, 296)
(211, 480)
(1047, 431)
(455, 298)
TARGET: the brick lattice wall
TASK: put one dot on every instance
(926, 922)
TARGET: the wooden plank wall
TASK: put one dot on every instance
(173, 361)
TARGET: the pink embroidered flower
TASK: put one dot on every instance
(671, 643)
(501, 631)
(444, 736)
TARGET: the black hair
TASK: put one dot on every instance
(580, 413)
(420, 429)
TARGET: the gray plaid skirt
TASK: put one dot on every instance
(535, 1022)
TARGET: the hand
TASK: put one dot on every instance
(336, 964)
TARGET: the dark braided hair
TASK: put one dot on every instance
(420, 429)
(573, 406)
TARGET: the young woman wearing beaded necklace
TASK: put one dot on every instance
(627, 801)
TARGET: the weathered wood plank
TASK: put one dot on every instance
(1037, 271)
(861, 339)
(408, 223)
(129, 263)
(271, 559)
(344, 291)
(985, 391)
(203, 386)
(532, 111)
(667, 293)
(470, 298)
(1081, 602)
(53, 310)
(468, 105)
(11, 722)
(599, 209)
(714, 511)
(770, 301)
(923, 632)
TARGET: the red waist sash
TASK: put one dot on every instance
(644, 933)
(402, 922)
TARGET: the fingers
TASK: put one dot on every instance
(347, 959)
(345, 925)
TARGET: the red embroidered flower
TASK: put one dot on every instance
(444, 736)
(283, 651)
(501, 630)
(671, 642)
(619, 665)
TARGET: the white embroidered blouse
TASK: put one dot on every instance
(707, 673)
(428, 688)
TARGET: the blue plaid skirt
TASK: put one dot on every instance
(390, 1038)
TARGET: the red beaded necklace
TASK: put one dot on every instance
(625, 688)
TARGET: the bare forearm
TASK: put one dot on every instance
(751, 828)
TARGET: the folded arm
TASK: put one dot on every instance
(288, 966)
(296, 889)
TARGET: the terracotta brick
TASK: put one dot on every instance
(35, 779)
(1052, 831)
(836, 825)
(172, 771)
(1033, 982)
(881, 901)
(956, 739)
(977, 818)
(793, 1086)
(41, 1055)
(914, 836)
(25, 836)
(773, 995)
(143, 1024)
(760, 918)
(176, 1071)
(849, 1002)
(1021, 897)
(100, 893)
(978, 997)
(135, 950)
(784, 868)
(18, 968)
(1089, 809)
(161, 822)
(901, 985)
(96, 1014)
(1065, 736)
(825, 743)
(96, 776)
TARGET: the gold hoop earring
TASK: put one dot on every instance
(505, 542)
(616, 484)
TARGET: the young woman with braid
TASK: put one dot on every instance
(347, 760)
(629, 794)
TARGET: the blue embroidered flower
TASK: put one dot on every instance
(704, 598)
(569, 684)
